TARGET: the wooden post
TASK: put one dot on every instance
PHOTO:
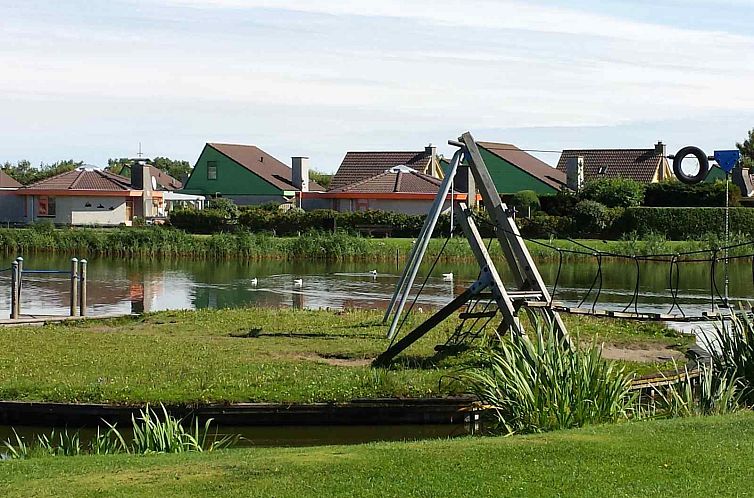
(82, 287)
(74, 286)
(14, 291)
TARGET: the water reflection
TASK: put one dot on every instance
(135, 286)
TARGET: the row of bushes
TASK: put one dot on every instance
(297, 221)
(593, 220)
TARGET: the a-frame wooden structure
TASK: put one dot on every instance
(530, 288)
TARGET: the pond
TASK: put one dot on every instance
(139, 285)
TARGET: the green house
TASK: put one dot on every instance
(514, 170)
(248, 175)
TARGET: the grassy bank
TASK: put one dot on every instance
(249, 355)
(161, 242)
(682, 457)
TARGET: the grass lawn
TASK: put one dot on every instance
(681, 457)
(247, 355)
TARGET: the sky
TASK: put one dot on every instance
(90, 80)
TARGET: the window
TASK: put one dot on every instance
(46, 206)
(602, 170)
(211, 170)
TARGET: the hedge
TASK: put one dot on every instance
(686, 223)
(677, 194)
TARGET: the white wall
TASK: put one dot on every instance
(72, 210)
(399, 206)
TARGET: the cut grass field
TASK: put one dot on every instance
(709, 456)
(252, 355)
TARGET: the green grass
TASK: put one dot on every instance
(258, 354)
(164, 242)
(700, 456)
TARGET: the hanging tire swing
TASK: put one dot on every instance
(703, 165)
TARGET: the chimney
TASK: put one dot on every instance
(140, 175)
(300, 177)
(575, 173)
(430, 150)
(661, 149)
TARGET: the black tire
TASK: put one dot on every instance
(703, 165)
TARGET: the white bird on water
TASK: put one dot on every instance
(373, 273)
(448, 277)
(298, 282)
(254, 282)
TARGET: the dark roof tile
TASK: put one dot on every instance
(84, 179)
(357, 166)
(262, 164)
(6, 181)
(636, 164)
(394, 181)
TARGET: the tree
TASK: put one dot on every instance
(323, 179)
(178, 169)
(26, 174)
(747, 150)
(614, 192)
(526, 201)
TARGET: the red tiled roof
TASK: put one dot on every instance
(84, 179)
(262, 164)
(637, 164)
(527, 163)
(6, 181)
(357, 166)
(394, 181)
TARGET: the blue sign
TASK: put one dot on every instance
(727, 159)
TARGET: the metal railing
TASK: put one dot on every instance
(78, 281)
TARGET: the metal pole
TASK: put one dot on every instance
(727, 235)
(421, 246)
(74, 286)
(452, 203)
(14, 291)
(82, 287)
(20, 261)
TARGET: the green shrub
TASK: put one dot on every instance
(614, 192)
(540, 384)
(591, 218)
(545, 226)
(201, 221)
(560, 204)
(525, 200)
(676, 194)
(687, 223)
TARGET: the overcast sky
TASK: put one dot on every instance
(89, 80)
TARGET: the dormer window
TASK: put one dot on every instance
(602, 170)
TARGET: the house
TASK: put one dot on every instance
(358, 166)
(248, 175)
(641, 165)
(513, 170)
(88, 196)
(11, 206)
(399, 189)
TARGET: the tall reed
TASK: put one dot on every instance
(541, 384)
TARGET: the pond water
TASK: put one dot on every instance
(126, 285)
(284, 436)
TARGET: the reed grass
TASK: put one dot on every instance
(152, 432)
(165, 242)
(543, 384)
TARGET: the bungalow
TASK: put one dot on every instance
(248, 175)
(93, 197)
(641, 165)
(399, 189)
(358, 166)
(11, 207)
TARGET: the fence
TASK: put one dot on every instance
(78, 281)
